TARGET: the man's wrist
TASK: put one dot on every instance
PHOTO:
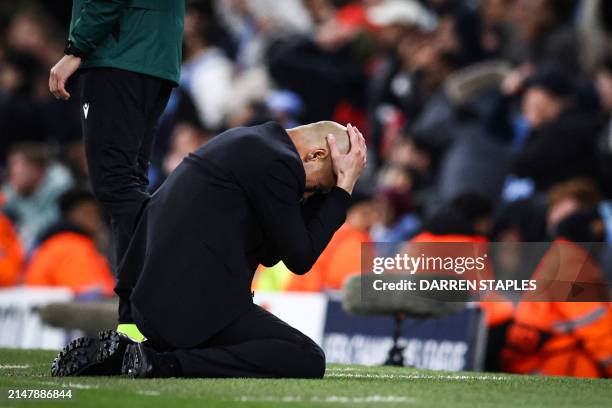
(72, 50)
(346, 185)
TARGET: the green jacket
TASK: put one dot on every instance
(143, 36)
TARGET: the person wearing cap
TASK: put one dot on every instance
(400, 27)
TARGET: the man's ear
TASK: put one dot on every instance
(317, 154)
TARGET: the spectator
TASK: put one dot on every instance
(560, 337)
(11, 253)
(561, 143)
(34, 184)
(207, 72)
(595, 27)
(185, 139)
(603, 83)
(324, 69)
(67, 255)
(19, 114)
(466, 218)
(570, 197)
(396, 219)
(519, 221)
(545, 32)
(404, 28)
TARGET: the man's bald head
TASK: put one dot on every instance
(311, 143)
(314, 135)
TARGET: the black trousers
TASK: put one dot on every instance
(257, 344)
(120, 111)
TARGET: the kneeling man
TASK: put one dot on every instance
(239, 201)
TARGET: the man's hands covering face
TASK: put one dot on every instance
(348, 166)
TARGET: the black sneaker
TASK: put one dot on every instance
(87, 356)
(141, 361)
(138, 362)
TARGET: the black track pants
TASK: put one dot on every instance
(120, 111)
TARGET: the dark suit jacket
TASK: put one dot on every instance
(233, 204)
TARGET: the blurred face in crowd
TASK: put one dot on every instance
(482, 225)
(509, 255)
(26, 34)
(405, 153)
(569, 197)
(194, 39)
(532, 17)
(185, 139)
(23, 175)
(385, 215)
(389, 37)
(34, 33)
(86, 215)
(11, 78)
(541, 107)
(416, 50)
(192, 19)
(495, 11)
(446, 37)
(319, 10)
(395, 177)
(604, 89)
(362, 215)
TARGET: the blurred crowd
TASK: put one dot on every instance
(485, 120)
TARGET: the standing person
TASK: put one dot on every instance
(235, 203)
(128, 53)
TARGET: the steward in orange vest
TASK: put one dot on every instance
(11, 253)
(564, 338)
(67, 255)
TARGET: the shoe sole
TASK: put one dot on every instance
(88, 356)
(75, 357)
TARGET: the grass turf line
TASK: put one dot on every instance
(345, 386)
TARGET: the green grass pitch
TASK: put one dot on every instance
(343, 386)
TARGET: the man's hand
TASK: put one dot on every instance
(60, 73)
(348, 166)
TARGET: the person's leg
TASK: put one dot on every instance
(120, 111)
(114, 127)
(119, 114)
(258, 344)
(155, 94)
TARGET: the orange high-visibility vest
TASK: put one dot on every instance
(70, 260)
(561, 338)
(429, 237)
(11, 254)
(497, 308)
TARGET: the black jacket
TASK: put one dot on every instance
(560, 150)
(233, 204)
